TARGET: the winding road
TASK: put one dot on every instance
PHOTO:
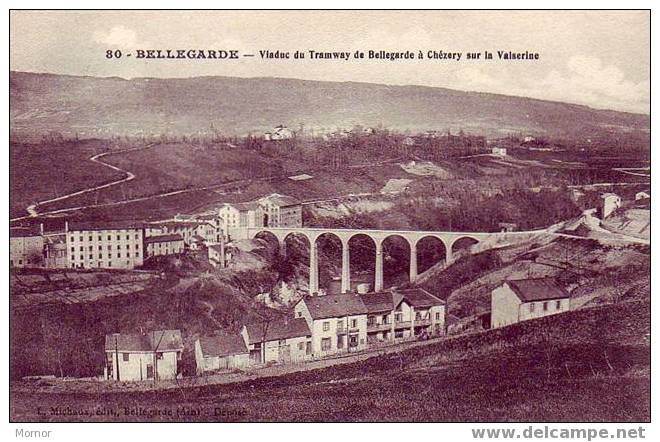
(129, 176)
(32, 209)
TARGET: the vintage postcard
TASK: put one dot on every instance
(331, 216)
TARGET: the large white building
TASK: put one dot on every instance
(326, 325)
(149, 356)
(280, 211)
(337, 322)
(350, 322)
(105, 244)
(273, 210)
(237, 217)
(403, 314)
(26, 247)
(524, 299)
(188, 229)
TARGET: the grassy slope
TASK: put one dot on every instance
(552, 369)
(168, 167)
(583, 266)
(192, 298)
(59, 169)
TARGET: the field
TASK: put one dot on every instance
(588, 365)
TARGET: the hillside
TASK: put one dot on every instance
(593, 271)
(98, 107)
(588, 365)
(632, 219)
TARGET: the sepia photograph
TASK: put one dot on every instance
(331, 216)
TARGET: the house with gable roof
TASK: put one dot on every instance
(520, 300)
(143, 356)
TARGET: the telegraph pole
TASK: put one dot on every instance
(117, 356)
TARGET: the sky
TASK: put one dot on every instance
(596, 58)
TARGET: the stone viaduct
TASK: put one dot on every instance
(448, 239)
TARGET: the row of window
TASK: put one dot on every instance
(98, 264)
(90, 238)
(109, 247)
(371, 320)
(163, 244)
(119, 255)
(546, 306)
(126, 357)
(340, 324)
(326, 343)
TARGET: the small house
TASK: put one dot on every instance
(217, 255)
(278, 340)
(611, 202)
(520, 300)
(499, 151)
(221, 352)
(143, 356)
(166, 244)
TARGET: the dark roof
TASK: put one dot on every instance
(418, 297)
(378, 302)
(128, 342)
(281, 200)
(179, 224)
(163, 238)
(539, 289)
(104, 225)
(207, 216)
(335, 306)
(160, 340)
(20, 232)
(222, 345)
(277, 329)
(245, 206)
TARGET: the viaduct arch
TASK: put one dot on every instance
(448, 239)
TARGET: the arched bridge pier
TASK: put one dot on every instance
(448, 239)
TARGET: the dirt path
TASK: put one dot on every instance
(630, 171)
